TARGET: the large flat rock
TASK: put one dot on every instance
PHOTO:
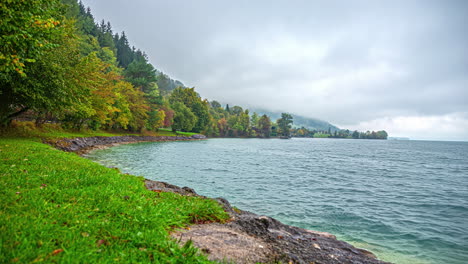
(252, 238)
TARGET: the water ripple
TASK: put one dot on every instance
(407, 201)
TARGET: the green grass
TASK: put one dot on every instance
(27, 129)
(59, 207)
(321, 135)
(168, 132)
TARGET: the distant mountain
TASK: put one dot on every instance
(398, 138)
(299, 121)
(166, 84)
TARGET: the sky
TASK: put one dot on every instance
(401, 66)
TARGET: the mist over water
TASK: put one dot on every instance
(406, 201)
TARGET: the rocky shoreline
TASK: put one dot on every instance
(252, 238)
(247, 237)
(83, 145)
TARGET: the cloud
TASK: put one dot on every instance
(347, 62)
(442, 127)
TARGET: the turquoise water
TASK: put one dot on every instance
(406, 201)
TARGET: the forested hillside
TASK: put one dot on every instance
(58, 65)
(301, 121)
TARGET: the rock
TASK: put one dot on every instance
(84, 145)
(166, 187)
(226, 206)
(251, 238)
(199, 136)
(224, 244)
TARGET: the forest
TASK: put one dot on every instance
(58, 65)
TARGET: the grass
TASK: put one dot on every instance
(59, 207)
(168, 132)
(29, 130)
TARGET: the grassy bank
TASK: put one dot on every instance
(28, 129)
(59, 207)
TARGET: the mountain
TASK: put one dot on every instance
(300, 121)
(166, 84)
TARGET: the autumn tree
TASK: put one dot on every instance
(222, 127)
(29, 30)
(156, 119)
(168, 115)
(264, 126)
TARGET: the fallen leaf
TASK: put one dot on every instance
(57, 251)
(102, 242)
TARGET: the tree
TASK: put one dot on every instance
(233, 125)
(244, 123)
(201, 110)
(184, 119)
(254, 119)
(222, 127)
(142, 75)
(138, 107)
(236, 110)
(105, 37)
(166, 84)
(215, 104)
(381, 134)
(264, 125)
(155, 120)
(212, 129)
(169, 115)
(284, 124)
(85, 21)
(192, 100)
(28, 29)
(125, 54)
(53, 81)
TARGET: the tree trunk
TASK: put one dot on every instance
(6, 121)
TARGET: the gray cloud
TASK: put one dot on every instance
(348, 62)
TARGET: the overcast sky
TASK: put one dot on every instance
(401, 66)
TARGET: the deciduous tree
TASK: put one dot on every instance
(284, 124)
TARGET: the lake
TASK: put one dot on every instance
(406, 201)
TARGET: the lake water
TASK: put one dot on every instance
(406, 201)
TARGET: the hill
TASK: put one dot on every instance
(300, 121)
(166, 84)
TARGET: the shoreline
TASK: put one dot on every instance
(83, 145)
(247, 237)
